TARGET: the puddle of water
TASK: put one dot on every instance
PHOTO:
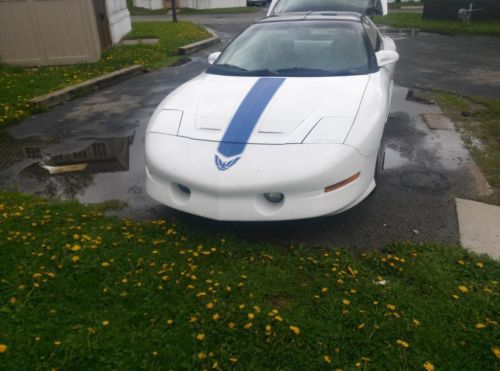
(409, 141)
(89, 170)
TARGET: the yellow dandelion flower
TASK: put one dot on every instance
(105, 323)
(200, 337)
(295, 330)
(362, 326)
(154, 354)
(242, 306)
(324, 290)
(461, 262)
(463, 289)
(202, 356)
(456, 297)
(76, 248)
(3, 348)
(479, 264)
(403, 343)
(216, 317)
(233, 359)
(391, 306)
(251, 316)
(75, 259)
(210, 305)
(231, 325)
(416, 322)
(247, 325)
(170, 322)
(57, 343)
(13, 300)
(496, 351)
(428, 366)
(346, 301)
(480, 325)
(327, 359)
(193, 319)
(278, 318)
(215, 365)
(105, 264)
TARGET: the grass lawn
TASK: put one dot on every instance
(134, 10)
(406, 3)
(18, 85)
(188, 11)
(479, 122)
(247, 9)
(414, 20)
(79, 290)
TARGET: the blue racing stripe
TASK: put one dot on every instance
(246, 117)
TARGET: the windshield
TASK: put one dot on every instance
(367, 7)
(300, 48)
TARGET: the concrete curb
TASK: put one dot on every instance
(194, 47)
(62, 95)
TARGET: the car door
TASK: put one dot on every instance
(379, 43)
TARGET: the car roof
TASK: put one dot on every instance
(315, 16)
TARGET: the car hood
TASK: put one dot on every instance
(274, 110)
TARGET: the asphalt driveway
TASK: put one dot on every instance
(424, 171)
(466, 65)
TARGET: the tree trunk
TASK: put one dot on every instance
(174, 11)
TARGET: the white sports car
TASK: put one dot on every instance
(365, 7)
(286, 122)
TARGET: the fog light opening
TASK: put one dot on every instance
(184, 189)
(343, 183)
(274, 197)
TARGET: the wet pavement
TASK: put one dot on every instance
(461, 64)
(92, 149)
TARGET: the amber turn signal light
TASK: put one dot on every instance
(345, 182)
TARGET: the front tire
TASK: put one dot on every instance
(379, 165)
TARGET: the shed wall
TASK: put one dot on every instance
(48, 32)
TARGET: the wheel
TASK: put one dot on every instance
(379, 165)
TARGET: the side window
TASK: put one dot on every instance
(372, 33)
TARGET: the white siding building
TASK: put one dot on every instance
(118, 18)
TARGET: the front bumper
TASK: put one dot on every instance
(299, 171)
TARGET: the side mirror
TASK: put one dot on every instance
(385, 57)
(213, 57)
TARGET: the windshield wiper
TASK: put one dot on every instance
(301, 70)
(265, 71)
(231, 66)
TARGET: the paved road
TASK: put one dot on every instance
(424, 169)
(467, 65)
